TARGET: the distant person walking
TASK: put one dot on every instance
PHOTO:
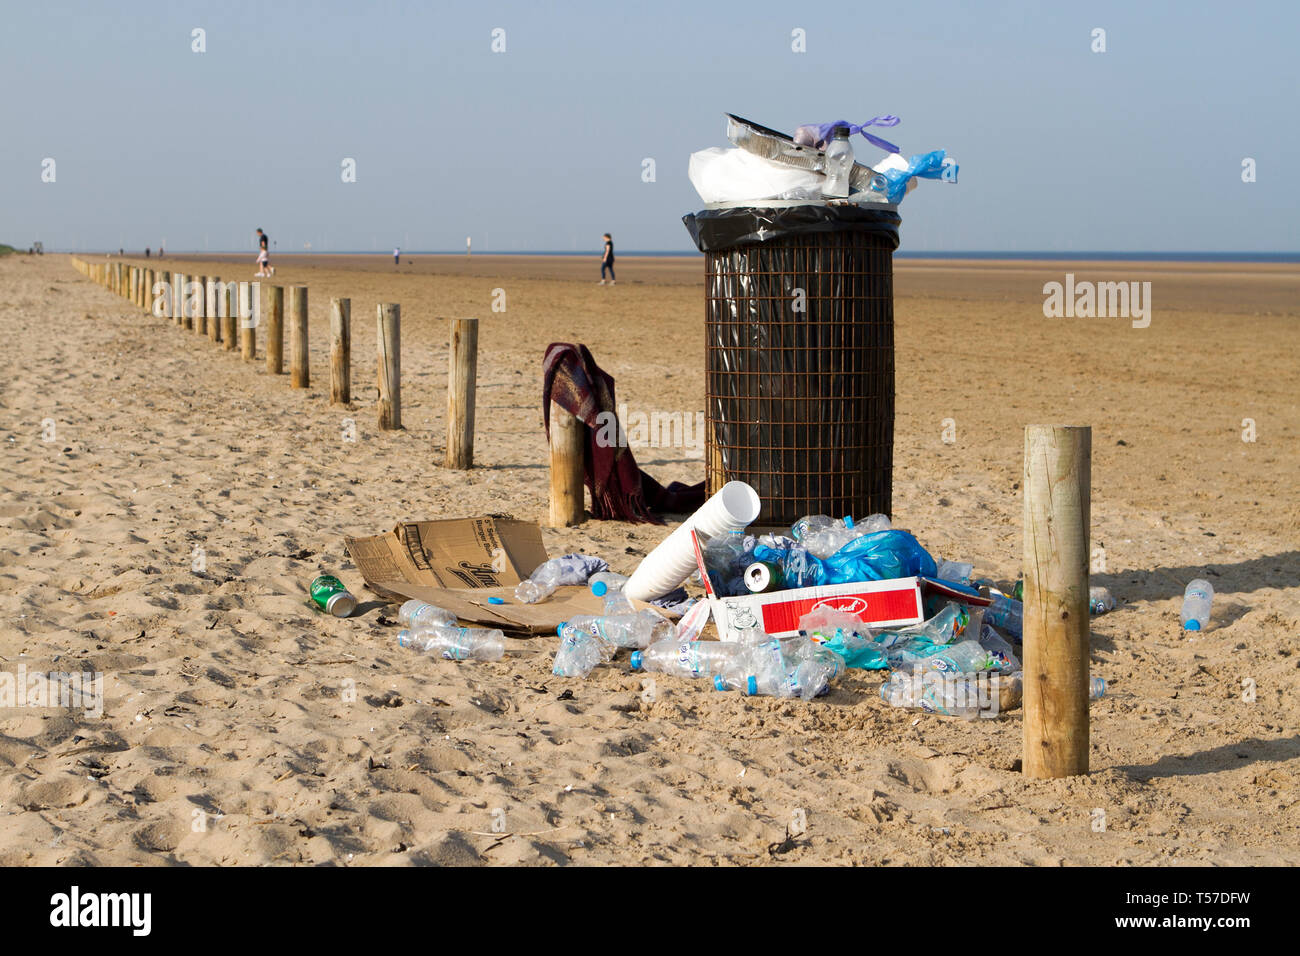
(264, 255)
(397, 256)
(160, 252)
(607, 260)
(146, 252)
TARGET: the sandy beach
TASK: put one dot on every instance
(132, 446)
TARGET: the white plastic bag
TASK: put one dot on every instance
(735, 175)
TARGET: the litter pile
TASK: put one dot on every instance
(793, 612)
(816, 163)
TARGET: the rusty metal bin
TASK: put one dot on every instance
(799, 322)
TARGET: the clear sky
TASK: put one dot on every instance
(541, 147)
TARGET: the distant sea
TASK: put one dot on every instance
(1273, 257)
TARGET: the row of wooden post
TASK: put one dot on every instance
(217, 309)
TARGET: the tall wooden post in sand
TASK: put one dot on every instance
(250, 310)
(273, 319)
(213, 308)
(178, 298)
(1058, 490)
(340, 351)
(201, 304)
(567, 449)
(299, 374)
(462, 376)
(389, 339)
(230, 312)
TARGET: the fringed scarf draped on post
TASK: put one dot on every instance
(619, 489)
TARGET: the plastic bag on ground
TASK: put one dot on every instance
(878, 557)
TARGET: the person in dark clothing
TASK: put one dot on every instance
(607, 260)
(264, 255)
(146, 252)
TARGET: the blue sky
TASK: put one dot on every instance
(541, 147)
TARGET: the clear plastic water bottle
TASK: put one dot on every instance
(579, 652)
(725, 557)
(636, 630)
(839, 161)
(1006, 614)
(616, 602)
(455, 643)
(1096, 688)
(958, 571)
(873, 523)
(964, 657)
(541, 584)
(688, 658)
(1196, 605)
(1100, 601)
(933, 693)
(414, 614)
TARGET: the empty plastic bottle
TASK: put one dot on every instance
(793, 667)
(579, 652)
(726, 557)
(636, 630)
(1100, 601)
(541, 584)
(414, 614)
(455, 643)
(1006, 614)
(1196, 605)
(873, 523)
(1096, 688)
(937, 693)
(958, 571)
(999, 650)
(616, 602)
(839, 161)
(688, 658)
(964, 657)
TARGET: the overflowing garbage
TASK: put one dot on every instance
(816, 164)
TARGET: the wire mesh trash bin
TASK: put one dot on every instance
(800, 355)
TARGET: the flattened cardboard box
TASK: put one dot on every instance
(459, 563)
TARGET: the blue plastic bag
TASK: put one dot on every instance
(878, 557)
(893, 182)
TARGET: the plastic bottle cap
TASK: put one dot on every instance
(751, 685)
(1192, 625)
(599, 588)
(636, 660)
(496, 600)
(848, 521)
(719, 683)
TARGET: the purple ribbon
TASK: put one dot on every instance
(824, 131)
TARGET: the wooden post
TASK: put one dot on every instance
(230, 322)
(273, 314)
(250, 310)
(149, 281)
(178, 298)
(1058, 488)
(461, 380)
(568, 446)
(299, 373)
(213, 309)
(340, 351)
(389, 339)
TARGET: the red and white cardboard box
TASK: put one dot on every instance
(893, 603)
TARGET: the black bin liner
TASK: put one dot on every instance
(800, 355)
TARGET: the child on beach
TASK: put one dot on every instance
(263, 255)
(607, 260)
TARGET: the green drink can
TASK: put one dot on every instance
(1018, 592)
(329, 594)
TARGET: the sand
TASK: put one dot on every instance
(241, 728)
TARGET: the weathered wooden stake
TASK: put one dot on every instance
(230, 321)
(213, 309)
(250, 310)
(179, 298)
(461, 380)
(273, 316)
(299, 373)
(1058, 488)
(568, 446)
(389, 340)
(340, 351)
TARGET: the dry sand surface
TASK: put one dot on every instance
(226, 737)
